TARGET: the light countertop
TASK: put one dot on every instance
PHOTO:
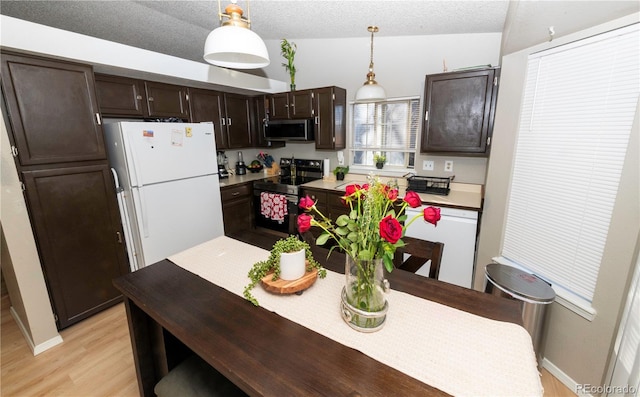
(462, 195)
(248, 177)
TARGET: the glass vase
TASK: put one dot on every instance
(364, 305)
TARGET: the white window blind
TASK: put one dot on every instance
(578, 107)
(388, 127)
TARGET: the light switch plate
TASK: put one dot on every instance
(448, 166)
(427, 165)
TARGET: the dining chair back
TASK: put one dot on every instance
(419, 252)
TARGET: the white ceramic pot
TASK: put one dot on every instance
(292, 265)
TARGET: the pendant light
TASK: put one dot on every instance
(234, 45)
(371, 91)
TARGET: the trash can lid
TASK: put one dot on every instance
(519, 284)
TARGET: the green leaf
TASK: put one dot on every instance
(352, 226)
(364, 255)
(323, 238)
(342, 220)
(342, 231)
(353, 214)
(353, 236)
(388, 263)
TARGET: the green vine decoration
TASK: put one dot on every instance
(262, 268)
(288, 51)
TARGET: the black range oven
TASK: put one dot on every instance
(276, 198)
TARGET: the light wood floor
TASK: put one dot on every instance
(95, 360)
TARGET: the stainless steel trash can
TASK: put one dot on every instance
(533, 293)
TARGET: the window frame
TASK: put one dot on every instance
(388, 168)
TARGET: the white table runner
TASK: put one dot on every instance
(457, 352)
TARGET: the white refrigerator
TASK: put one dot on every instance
(167, 180)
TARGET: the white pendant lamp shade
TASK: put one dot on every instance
(371, 91)
(235, 47)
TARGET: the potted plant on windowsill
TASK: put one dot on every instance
(379, 159)
(340, 172)
(290, 259)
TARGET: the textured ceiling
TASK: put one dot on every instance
(179, 28)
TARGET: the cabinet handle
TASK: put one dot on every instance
(139, 97)
(426, 115)
(235, 194)
(98, 120)
(222, 121)
(313, 197)
(150, 99)
(119, 237)
(317, 120)
(228, 121)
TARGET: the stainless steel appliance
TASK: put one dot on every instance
(286, 186)
(301, 130)
(168, 187)
(222, 166)
(241, 167)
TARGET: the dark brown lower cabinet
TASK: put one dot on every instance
(237, 208)
(75, 217)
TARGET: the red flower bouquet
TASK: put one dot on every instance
(373, 229)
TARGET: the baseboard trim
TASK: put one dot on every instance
(39, 348)
(561, 376)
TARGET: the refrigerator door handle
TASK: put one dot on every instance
(126, 223)
(143, 213)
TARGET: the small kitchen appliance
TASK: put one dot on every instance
(241, 167)
(222, 166)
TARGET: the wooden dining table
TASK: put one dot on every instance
(173, 313)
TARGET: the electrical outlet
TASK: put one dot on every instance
(448, 166)
(427, 165)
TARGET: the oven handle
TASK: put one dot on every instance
(290, 197)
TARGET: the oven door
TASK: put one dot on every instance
(273, 219)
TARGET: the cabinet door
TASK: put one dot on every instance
(120, 96)
(301, 104)
(330, 118)
(205, 106)
(166, 100)
(53, 110)
(279, 106)
(459, 109)
(237, 208)
(257, 124)
(238, 120)
(74, 213)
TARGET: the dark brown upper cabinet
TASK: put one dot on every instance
(291, 105)
(166, 100)
(258, 116)
(206, 106)
(459, 110)
(121, 96)
(52, 109)
(330, 117)
(237, 109)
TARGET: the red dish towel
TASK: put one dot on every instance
(273, 206)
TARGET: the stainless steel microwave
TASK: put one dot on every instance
(289, 130)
